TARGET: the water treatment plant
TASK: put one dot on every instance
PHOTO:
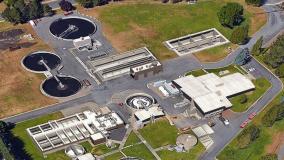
(126, 88)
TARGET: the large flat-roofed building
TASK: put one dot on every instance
(73, 129)
(196, 42)
(139, 62)
(209, 93)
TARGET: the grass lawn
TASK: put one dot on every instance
(160, 133)
(196, 73)
(114, 156)
(137, 24)
(20, 132)
(192, 154)
(132, 139)
(140, 151)
(230, 68)
(261, 86)
(102, 149)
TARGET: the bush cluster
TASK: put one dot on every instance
(247, 136)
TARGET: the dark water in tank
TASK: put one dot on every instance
(84, 28)
(32, 61)
(71, 86)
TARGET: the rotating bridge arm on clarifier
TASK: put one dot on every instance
(49, 70)
(69, 30)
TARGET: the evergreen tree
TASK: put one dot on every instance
(256, 49)
(65, 5)
(240, 34)
(254, 2)
(231, 14)
(12, 15)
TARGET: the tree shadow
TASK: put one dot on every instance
(14, 144)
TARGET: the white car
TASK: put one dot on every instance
(225, 121)
(251, 69)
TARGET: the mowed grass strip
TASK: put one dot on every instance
(114, 156)
(160, 133)
(129, 26)
(139, 151)
(261, 86)
(132, 139)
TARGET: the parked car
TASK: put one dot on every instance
(252, 115)
(211, 124)
(244, 123)
(224, 120)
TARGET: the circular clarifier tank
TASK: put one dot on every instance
(140, 101)
(34, 61)
(72, 28)
(61, 86)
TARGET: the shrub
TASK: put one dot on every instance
(247, 136)
(231, 14)
(269, 157)
(256, 49)
(243, 98)
(275, 56)
(66, 5)
(280, 71)
(240, 35)
(275, 113)
(254, 2)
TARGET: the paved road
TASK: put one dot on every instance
(172, 69)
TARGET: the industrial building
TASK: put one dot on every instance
(140, 62)
(87, 125)
(209, 93)
(196, 42)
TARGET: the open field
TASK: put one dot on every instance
(132, 24)
(102, 149)
(160, 133)
(20, 88)
(261, 86)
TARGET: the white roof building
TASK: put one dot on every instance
(145, 115)
(211, 92)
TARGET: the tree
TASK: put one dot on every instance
(256, 49)
(12, 15)
(270, 116)
(47, 10)
(65, 5)
(3, 127)
(254, 2)
(243, 98)
(247, 136)
(36, 10)
(231, 14)
(269, 157)
(87, 3)
(275, 56)
(280, 71)
(240, 34)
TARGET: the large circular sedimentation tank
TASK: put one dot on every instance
(33, 61)
(72, 28)
(140, 101)
(69, 86)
